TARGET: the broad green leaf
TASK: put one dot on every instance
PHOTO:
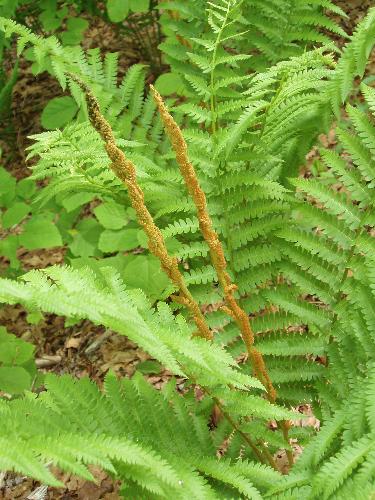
(169, 83)
(14, 351)
(77, 24)
(144, 272)
(49, 21)
(46, 4)
(63, 12)
(8, 248)
(149, 367)
(111, 215)
(117, 10)
(15, 214)
(39, 232)
(58, 112)
(118, 241)
(65, 223)
(34, 317)
(14, 379)
(25, 188)
(75, 28)
(139, 5)
(85, 238)
(76, 200)
(7, 187)
(142, 238)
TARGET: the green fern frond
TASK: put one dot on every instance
(119, 431)
(353, 61)
(333, 473)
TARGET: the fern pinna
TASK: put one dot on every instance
(165, 336)
(271, 31)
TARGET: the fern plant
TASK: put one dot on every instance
(136, 122)
(331, 258)
(285, 263)
(333, 265)
(271, 31)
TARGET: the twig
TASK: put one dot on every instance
(47, 361)
(98, 342)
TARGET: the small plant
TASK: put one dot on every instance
(17, 366)
(138, 20)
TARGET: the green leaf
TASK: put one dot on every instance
(49, 21)
(76, 200)
(8, 248)
(77, 24)
(111, 215)
(15, 214)
(14, 379)
(58, 112)
(85, 238)
(25, 188)
(39, 232)
(117, 10)
(74, 34)
(7, 187)
(139, 5)
(118, 241)
(34, 317)
(118, 262)
(63, 12)
(169, 83)
(143, 239)
(145, 272)
(14, 351)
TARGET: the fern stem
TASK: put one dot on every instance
(214, 244)
(125, 170)
(257, 452)
(270, 458)
(212, 74)
(285, 426)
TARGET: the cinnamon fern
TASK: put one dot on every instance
(268, 302)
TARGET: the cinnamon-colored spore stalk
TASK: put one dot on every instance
(125, 170)
(216, 249)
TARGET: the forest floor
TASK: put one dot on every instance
(83, 349)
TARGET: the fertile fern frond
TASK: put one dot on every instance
(263, 120)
